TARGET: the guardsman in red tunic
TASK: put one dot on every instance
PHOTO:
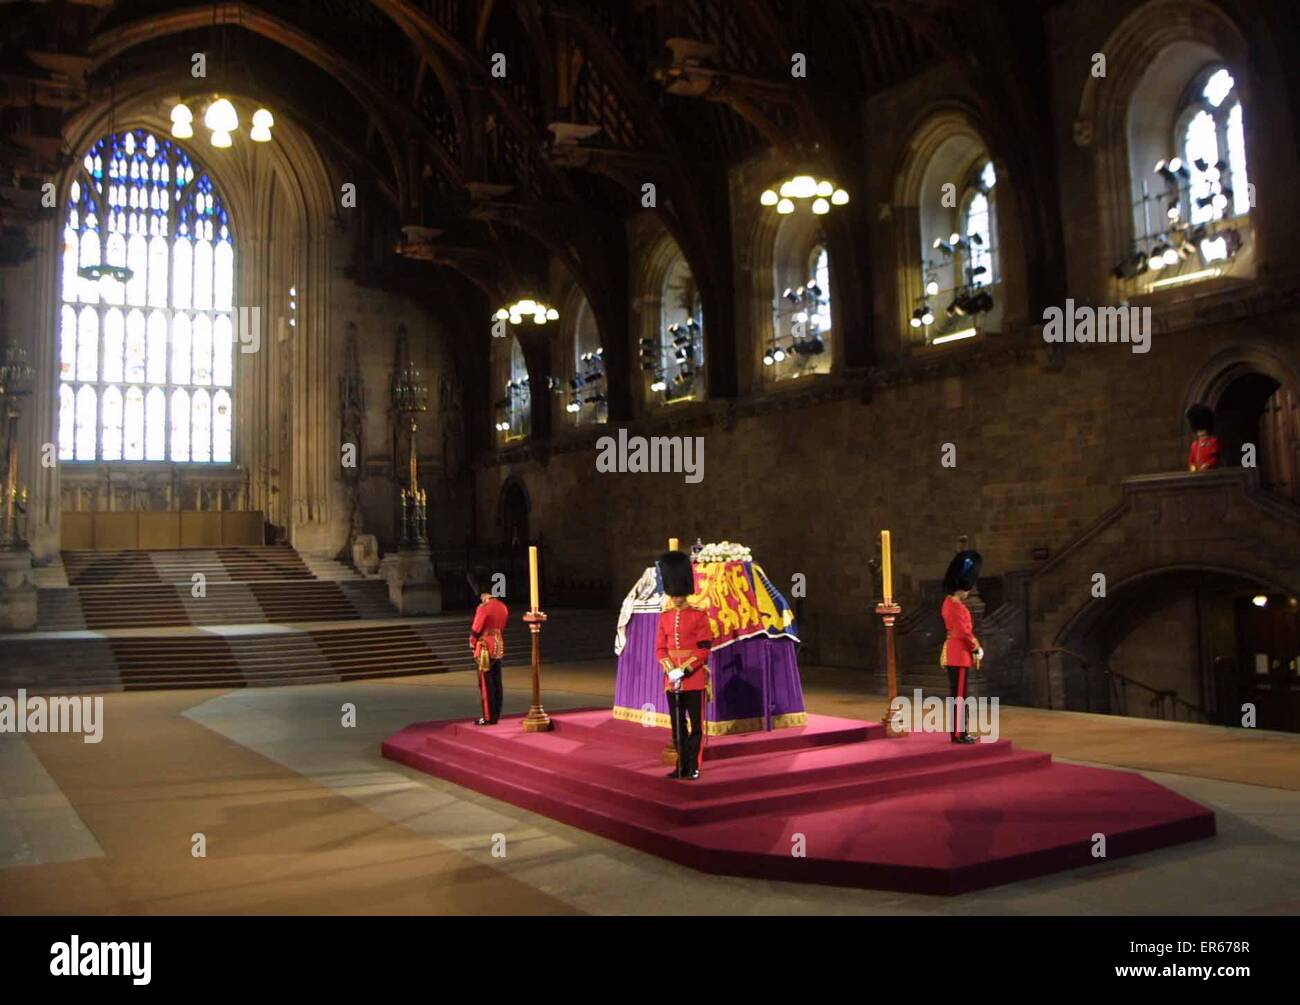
(682, 648)
(488, 647)
(961, 653)
(1203, 454)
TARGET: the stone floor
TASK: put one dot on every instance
(300, 814)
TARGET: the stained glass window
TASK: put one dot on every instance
(133, 355)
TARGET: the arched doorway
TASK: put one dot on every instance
(1257, 409)
(1188, 645)
(514, 531)
(1255, 394)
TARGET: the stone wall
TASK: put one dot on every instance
(1040, 454)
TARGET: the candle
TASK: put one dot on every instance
(886, 566)
(532, 576)
(672, 544)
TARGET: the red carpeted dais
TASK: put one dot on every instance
(830, 802)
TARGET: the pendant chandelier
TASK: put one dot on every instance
(221, 119)
(219, 114)
(520, 309)
(823, 194)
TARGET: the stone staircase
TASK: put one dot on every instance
(220, 603)
(254, 656)
(331, 569)
(258, 616)
(180, 565)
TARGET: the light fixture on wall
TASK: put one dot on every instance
(804, 188)
(515, 313)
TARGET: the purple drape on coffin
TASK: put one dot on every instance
(753, 679)
(639, 681)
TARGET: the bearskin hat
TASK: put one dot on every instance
(963, 571)
(1201, 417)
(675, 569)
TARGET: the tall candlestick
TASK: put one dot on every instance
(672, 544)
(886, 566)
(532, 578)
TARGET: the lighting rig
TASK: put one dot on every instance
(684, 345)
(969, 300)
(517, 396)
(588, 386)
(1177, 239)
(805, 340)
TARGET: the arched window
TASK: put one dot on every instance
(510, 382)
(800, 339)
(1187, 162)
(146, 338)
(960, 266)
(585, 397)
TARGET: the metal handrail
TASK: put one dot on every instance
(1087, 667)
(1158, 696)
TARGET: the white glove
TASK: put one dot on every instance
(675, 675)
(979, 653)
(620, 641)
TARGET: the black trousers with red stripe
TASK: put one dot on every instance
(958, 683)
(489, 686)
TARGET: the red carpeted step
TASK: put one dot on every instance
(770, 783)
(957, 821)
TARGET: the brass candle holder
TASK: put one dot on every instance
(889, 612)
(536, 721)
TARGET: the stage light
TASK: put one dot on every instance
(915, 320)
(778, 355)
(1259, 600)
(768, 198)
(1131, 267)
(785, 207)
(931, 288)
(221, 139)
(1173, 210)
(825, 189)
(821, 207)
(1170, 255)
(927, 318)
(839, 197)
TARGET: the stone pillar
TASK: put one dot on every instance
(17, 591)
(412, 584)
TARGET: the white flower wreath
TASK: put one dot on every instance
(724, 551)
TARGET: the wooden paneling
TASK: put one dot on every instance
(200, 529)
(242, 527)
(156, 531)
(117, 530)
(78, 531)
(159, 530)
